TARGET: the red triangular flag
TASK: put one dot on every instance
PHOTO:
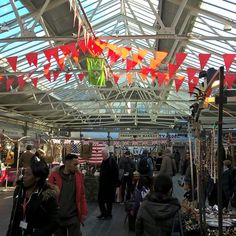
(191, 73)
(65, 49)
(48, 76)
(192, 84)
(203, 59)
(145, 70)
(32, 57)
(47, 73)
(34, 81)
(228, 59)
(55, 75)
(229, 79)
(179, 58)
(81, 76)
(82, 45)
(116, 78)
(130, 64)
(9, 83)
(178, 82)
(93, 48)
(161, 78)
(51, 52)
(67, 77)
(21, 81)
(172, 69)
(13, 62)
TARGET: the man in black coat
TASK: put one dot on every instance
(108, 181)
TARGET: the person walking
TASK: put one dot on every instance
(72, 201)
(158, 211)
(35, 208)
(128, 166)
(108, 181)
(168, 166)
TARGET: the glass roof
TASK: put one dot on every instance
(140, 21)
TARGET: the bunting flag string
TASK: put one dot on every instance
(95, 47)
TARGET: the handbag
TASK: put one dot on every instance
(181, 232)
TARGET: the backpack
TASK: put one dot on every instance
(143, 166)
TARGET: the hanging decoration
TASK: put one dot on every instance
(96, 73)
(89, 44)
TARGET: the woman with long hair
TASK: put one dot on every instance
(35, 209)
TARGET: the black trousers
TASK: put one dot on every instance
(72, 229)
(106, 196)
(126, 185)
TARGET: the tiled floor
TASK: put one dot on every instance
(116, 226)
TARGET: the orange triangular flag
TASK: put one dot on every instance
(143, 76)
(160, 56)
(125, 52)
(116, 78)
(153, 64)
(130, 77)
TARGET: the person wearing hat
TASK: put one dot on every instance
(72, 201)
(35, 208)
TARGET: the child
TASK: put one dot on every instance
(141, 190)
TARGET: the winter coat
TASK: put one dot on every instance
(227, 184)
(127, 164)
(168, 166)
(156, 215)
(41, 212)
(81, 204)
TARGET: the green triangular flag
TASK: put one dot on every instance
(96, 72)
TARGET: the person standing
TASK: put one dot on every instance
(158, 211)
(168, 166)
(35, 208)
(72, 201)
(108, 181)
(128, 166)
(26, 156)
(177, 158)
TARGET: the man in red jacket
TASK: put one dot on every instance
(72, 201)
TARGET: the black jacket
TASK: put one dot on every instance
(156, 215)
(41, 212)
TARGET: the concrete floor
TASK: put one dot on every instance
(93, 227)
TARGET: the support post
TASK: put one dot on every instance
(220, 152)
